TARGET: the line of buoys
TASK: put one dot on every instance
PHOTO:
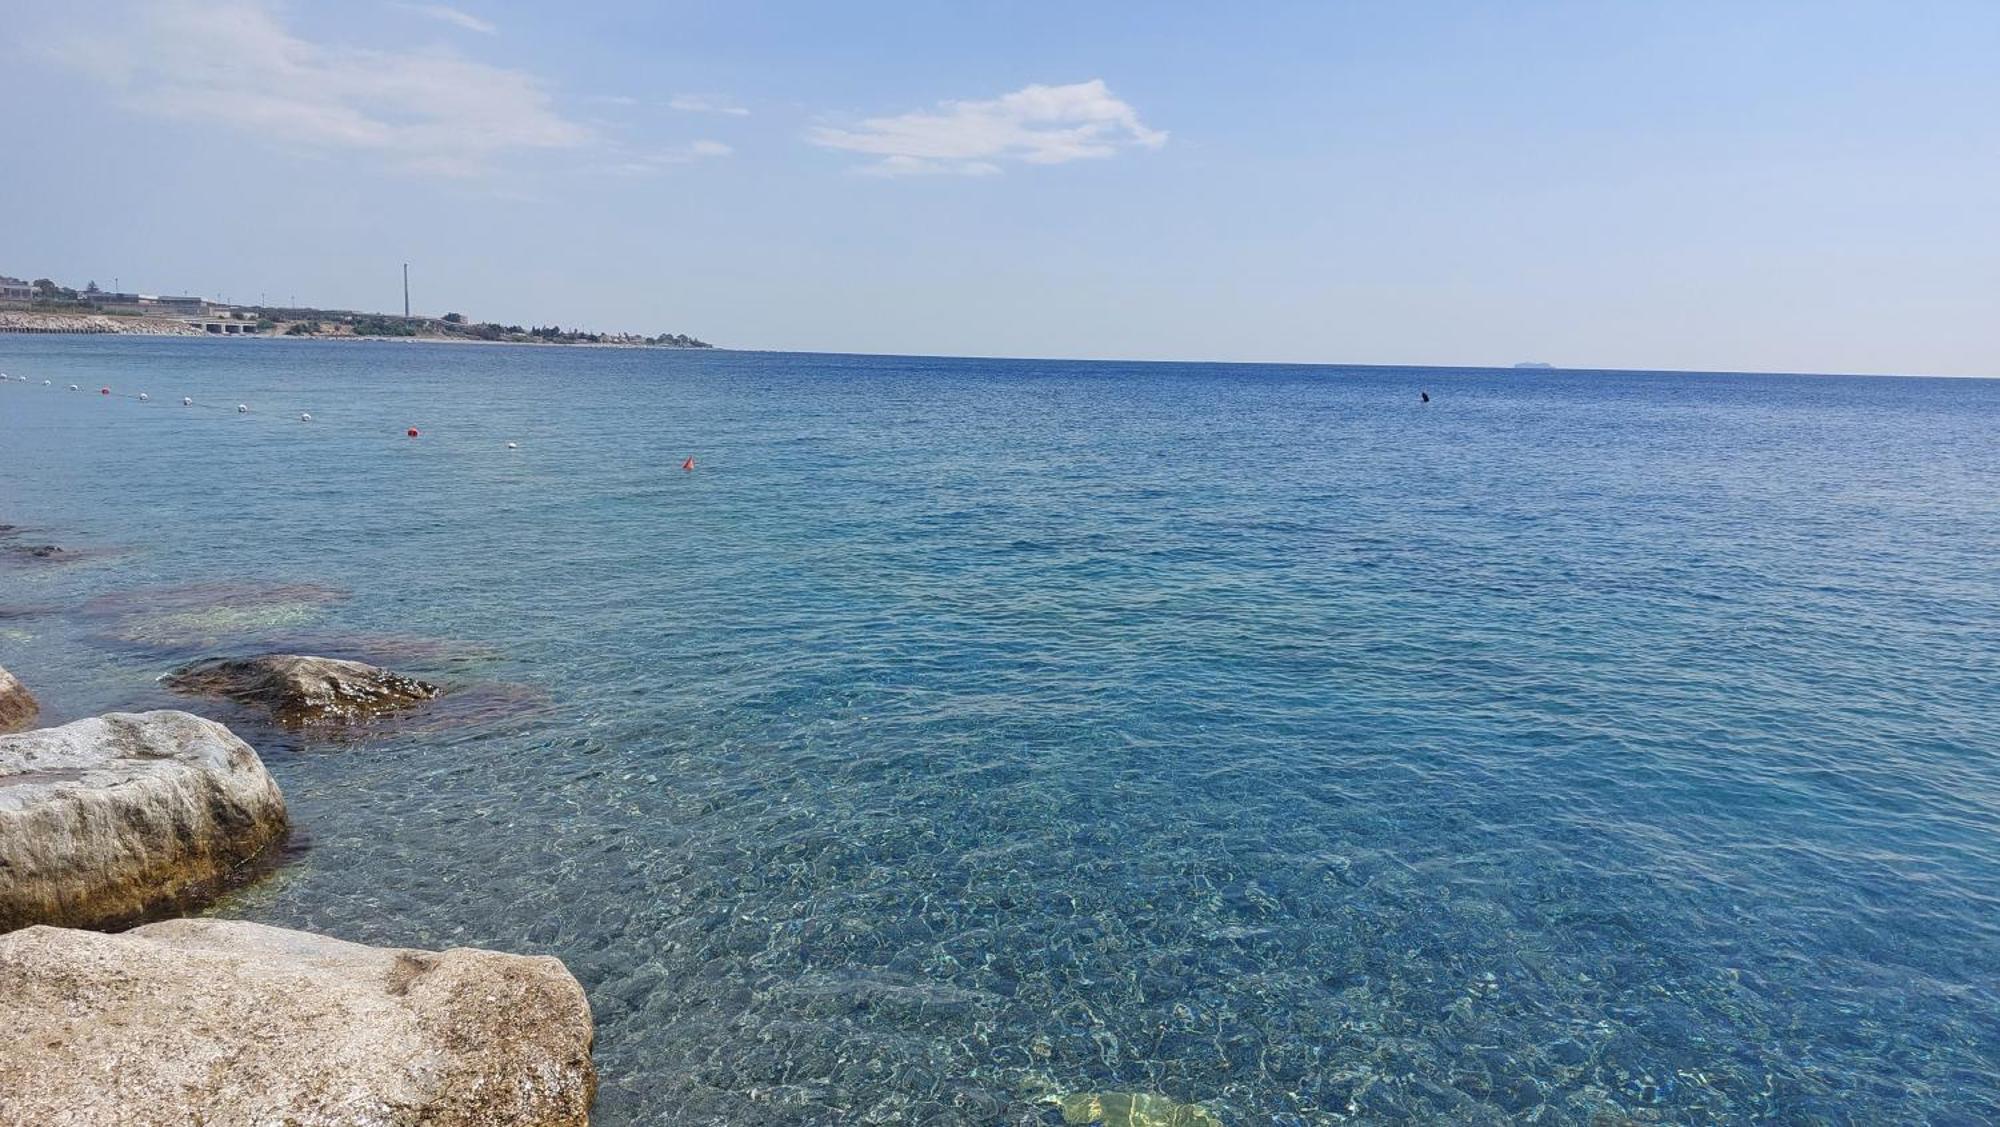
(244, 409)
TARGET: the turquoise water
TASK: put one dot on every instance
(1582, 746)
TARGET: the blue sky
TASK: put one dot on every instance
(1682, 185)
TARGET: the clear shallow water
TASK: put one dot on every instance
(1582, 746)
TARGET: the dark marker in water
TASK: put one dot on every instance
(1425, 395)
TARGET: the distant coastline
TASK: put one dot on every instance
(105, 324)
(42, 306)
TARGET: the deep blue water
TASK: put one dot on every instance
(1580, 747)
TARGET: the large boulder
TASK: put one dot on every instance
(107, 819)
(299, 691)
(18, 707)
(213, 1021)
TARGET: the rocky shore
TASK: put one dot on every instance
(116, 818)
(39, 322)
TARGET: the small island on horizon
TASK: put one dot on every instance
(43, 306)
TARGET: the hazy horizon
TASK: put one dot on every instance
(1710, 187)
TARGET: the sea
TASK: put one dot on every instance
(956, 736)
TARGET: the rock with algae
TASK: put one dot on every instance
(1132, 1109)
(17, 705)
(299, 691)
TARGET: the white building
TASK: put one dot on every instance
(14, 289)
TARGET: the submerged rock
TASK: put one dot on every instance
(194, 617)
(219, 1021)
(1133, 1109)
(299, 691)
(110, 818)
(18, 707)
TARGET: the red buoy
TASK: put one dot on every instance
(413, 432)
(104, 391)
(689, 464)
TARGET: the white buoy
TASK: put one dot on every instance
(143, 397)
(513, 446)
(305, 417)
(73, 387)
(242, 410)
(186, 402)
(45, 383)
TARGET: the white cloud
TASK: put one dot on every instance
(1035, 125)
(233, 65)
(703, 103)
(453, 16)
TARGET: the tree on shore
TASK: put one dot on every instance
(47, 290)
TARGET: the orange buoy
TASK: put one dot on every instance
(689, 464)
(413, 432)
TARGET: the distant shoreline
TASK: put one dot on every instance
(43, 323)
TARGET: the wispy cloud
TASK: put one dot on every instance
(453, 16)
(233, 64)
(1033, 125)
(703, 103)
(648, 162)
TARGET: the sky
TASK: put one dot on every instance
(1676, 185)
